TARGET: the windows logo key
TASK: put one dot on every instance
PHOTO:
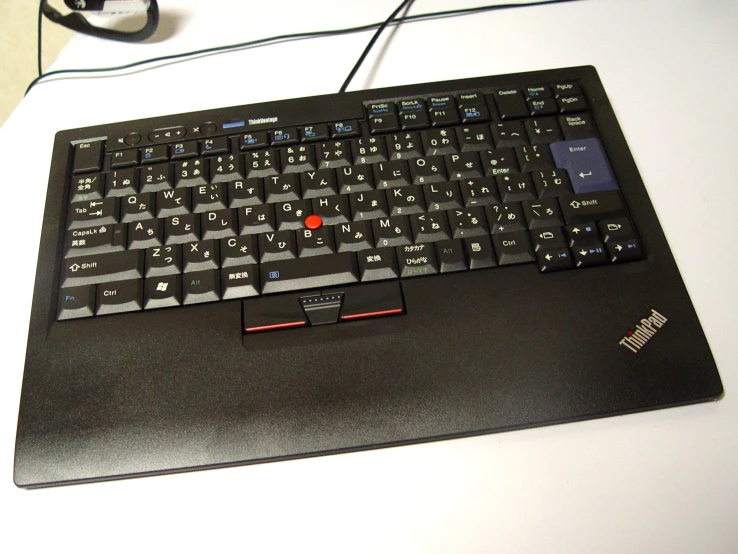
(162, 286)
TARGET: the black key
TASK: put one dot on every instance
(121, 182)
(378, 264)
(476, 113)
(315, 242)
(351, 237)
(163, 292)
(428, 170)
(469, 222)
(479, 252)
(437, 142)
(442, 111)
(282, 188)
(415, 260)
(213, 146)
(182, 228)
(201, 255)
(355, 178)
(504, 218)
(513, 248)
(262, 163)
(119, 297)
(442, 196)
(391, 174)
(582, 234)
(515, 187)
(543, 130)
(238, 251)
(256, 219)
(510, 103)
(479, 192)
(624, 250)
(571, 104)
(164, 260)
(576, 127)
(137, 207)
(88, 156)
(307, 273)
(566, 89)
(87, 187)
(345, 129)
(318, 183)
(578, 208)
(157, 153)
(368, 205)
(76, 302)
(616, 229)
(392, 231)
(240, 282)
(296, 159)
(554, 260)
(543, 213)
(542, 106)
(534, 92)
(93, 213)
(247, 192)
(146, 233)
(551, 238)
(283, 136)
(219, 224)
(168, 203)
(102, 268)
(463, 166)
(405, 201)
(277, 246)
(123, 158)
(404, 146)
(450, 255)
(252, 141)
(201, 286)
(509, 133)
(311, 133)
(499, 161)
(474, 138)
(156, 177)
(369, 150)
(430, 227)
(332, 209)
(226, 167)
(535, 158)
(95, 240)
(552, 183)
(383, 123)
(189, 149)
(291, 215)
(413, 114)
(594, 254)
(334, 154)
(190, 173)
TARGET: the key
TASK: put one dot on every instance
(296, 159)
(201, 255)
(246, 192)
(554, 260)
(168, 203)
(227, 167)
(499, 161)
(391, 174)
(534, 158)
(236, 251)
(551, 238)
(577, 127)
(594, 254)
(213, 146)
(95, 240)
(182, 228)
(509, 133)
(156, 177)
(469, 222)
(542, 106)
(311, 133)
(533, 92)
(503, 218)
(510, 103)
(291, 215)
(351, 237)
(345, 129)
(479, 252)
(450, 255)
(252, 141)
(355, 178)
(163, 292)
(119, 297)
(307, 273)
(552, 183)
(368, 205)
(283, 136)
(479, 192)
(474, 113)
(616, 229)
(578, 208)
(415, 260)
(190, 173)
(442, 196)
(163, 260)
(76, 302)
(315, 242)
(333, 209)
(442, 111)
(121, 182)
(515, 187)
(543, 213)
(437, 142)
(391, 231)
(430, 227)
(201, 286)
(318, 183)
(582, 234)
(88, 156)
(282, 188)
(428, 170)
(240, 282)
(369, 150)
(189, 149)
(87, 187)
(146, 233)
(404, 146)
(513, 248)
(383, 123)
(378, 264)
(218, 224)
(571, 104)
(463, 166)
(413, 114)
(157, 153)
(543, 130)
(262, 163)
(586, 163)
(277, 246)
(334, 154)
(123, 158)
(93, 213)
(102, 268)
(256, 219)
(624, 250)
(406, 201)
(474, 138)
(566, 89)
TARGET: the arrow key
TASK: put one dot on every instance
(594, 254)
(554, 260)
(582, 234)
(548, 239)
(616, 229)
(624, 250)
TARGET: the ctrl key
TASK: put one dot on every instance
(76, 302)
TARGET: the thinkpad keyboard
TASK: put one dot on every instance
(420, 185)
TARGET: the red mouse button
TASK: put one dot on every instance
(313, 222)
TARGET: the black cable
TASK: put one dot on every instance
(374, 38)
(40, 22)
(295, 36)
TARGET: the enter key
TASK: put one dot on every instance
(587, 164)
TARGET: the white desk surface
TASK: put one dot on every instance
(664, 481)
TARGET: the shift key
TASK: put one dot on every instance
(103, 268)
(581, 208)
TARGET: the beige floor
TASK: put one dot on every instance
(18, 65)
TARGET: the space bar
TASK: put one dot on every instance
(308, 273)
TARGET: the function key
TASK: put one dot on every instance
(314, 132)
(217, 145)
(286, 135)
(382, 117)
(381, 108)
(249, 141)
(475, 114)
(413, 114)
(170, 133)
(344, 129)
(566, 89)
(536, 93)
(155, 153)
(187, 149)
(443, 111)
(124, 158)
(510, 103)
(87, 156)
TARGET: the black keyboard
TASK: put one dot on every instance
(420, 185)
(437, 260)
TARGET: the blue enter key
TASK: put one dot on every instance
(587, 164)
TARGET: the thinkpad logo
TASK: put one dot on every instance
(643, 332)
